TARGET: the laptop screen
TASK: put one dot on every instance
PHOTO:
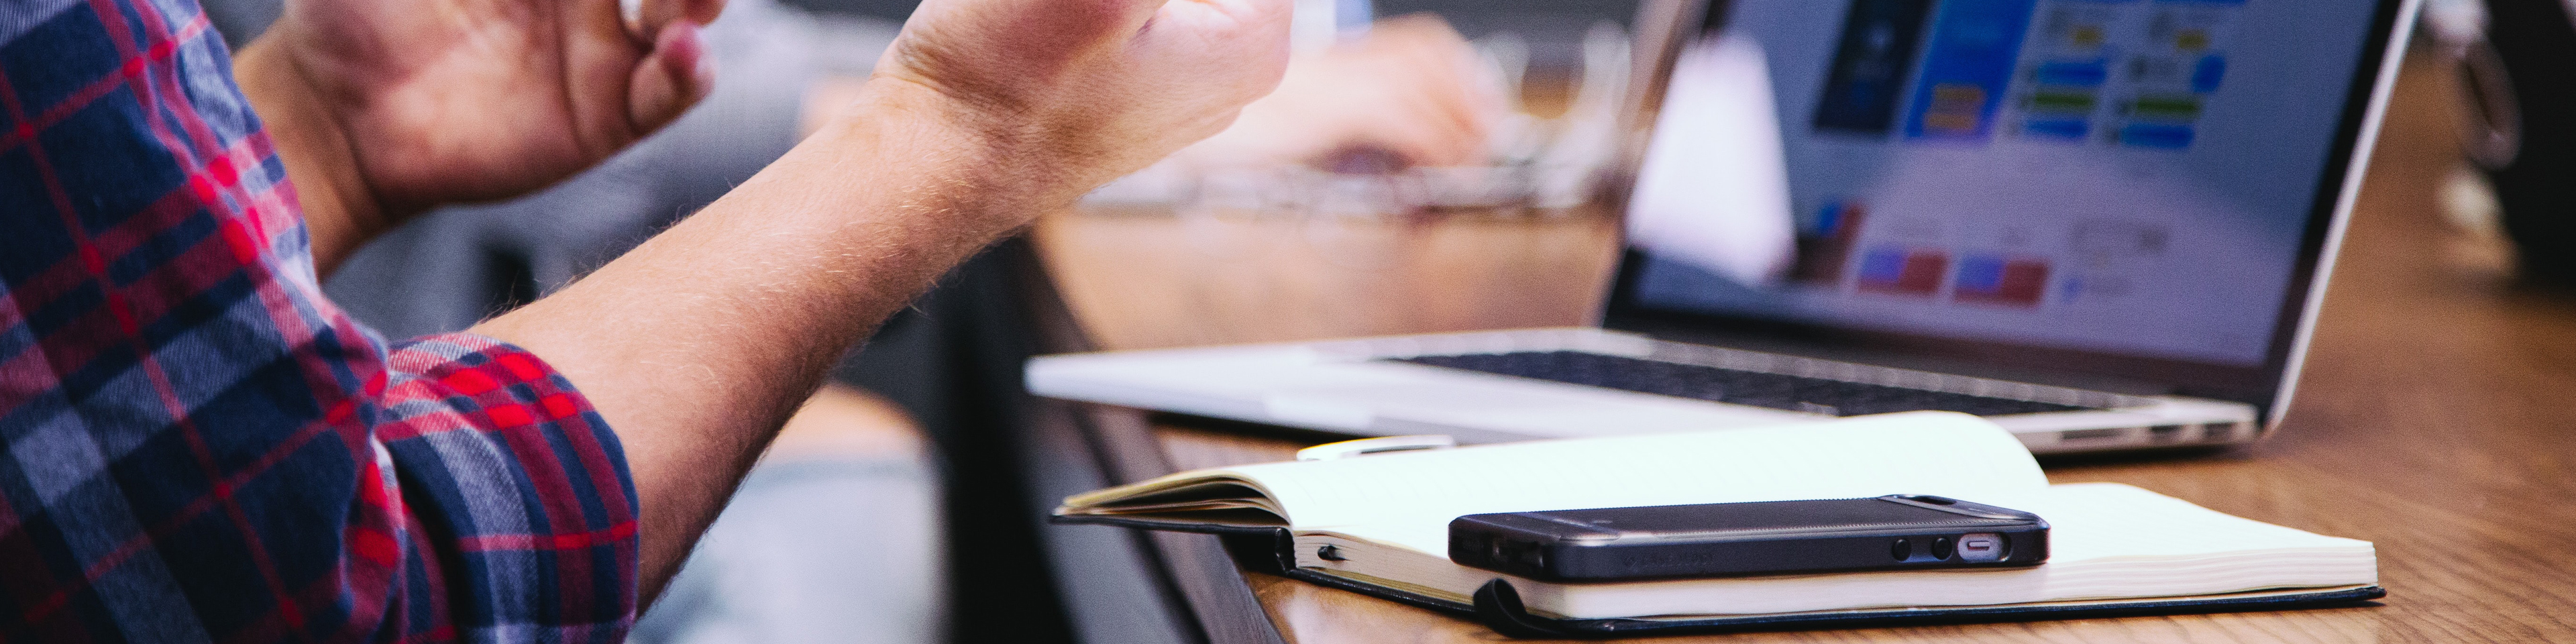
(2105, 185)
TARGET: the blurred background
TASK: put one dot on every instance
(1443, 158)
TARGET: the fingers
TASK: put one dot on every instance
(1406, 90)
(1443, 119)
(1453, 118)
(1415, 27)
(1426, 130)
(1445, 62)
(648, 17)
(672, 79)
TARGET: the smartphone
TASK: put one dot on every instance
(1897, 532)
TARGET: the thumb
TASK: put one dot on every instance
(672, 79)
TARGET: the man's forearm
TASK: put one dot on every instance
(699, 344)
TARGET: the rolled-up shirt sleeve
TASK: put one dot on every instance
(196, 445)
(507, 473)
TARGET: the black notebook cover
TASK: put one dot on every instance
(1272, 549)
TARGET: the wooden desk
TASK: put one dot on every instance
(2437, 415)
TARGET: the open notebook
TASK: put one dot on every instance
(2114, 548)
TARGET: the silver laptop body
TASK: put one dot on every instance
(2110, 234)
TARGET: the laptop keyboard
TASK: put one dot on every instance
(1776, 391)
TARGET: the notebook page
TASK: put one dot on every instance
(2106, 541)
(2099, 521)
(1916, 453)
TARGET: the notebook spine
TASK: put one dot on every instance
(1498, 606)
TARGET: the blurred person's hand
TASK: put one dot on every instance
(1409, 90)
(387, 108)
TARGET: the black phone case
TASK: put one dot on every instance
(1897, 532)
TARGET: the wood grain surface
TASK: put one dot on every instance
(2436, 417)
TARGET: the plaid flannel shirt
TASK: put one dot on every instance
(198, 445)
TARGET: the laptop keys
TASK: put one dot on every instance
(1759, 389)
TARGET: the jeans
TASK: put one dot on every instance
(814, 550)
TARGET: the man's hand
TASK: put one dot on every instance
(397, 106)
(1098, 88)
(698, 344)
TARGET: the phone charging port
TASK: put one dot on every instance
(1981, 547)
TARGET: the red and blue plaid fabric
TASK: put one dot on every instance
(198, 445)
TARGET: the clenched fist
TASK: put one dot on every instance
(1099, 88)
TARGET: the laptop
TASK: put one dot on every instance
(2102, 224)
